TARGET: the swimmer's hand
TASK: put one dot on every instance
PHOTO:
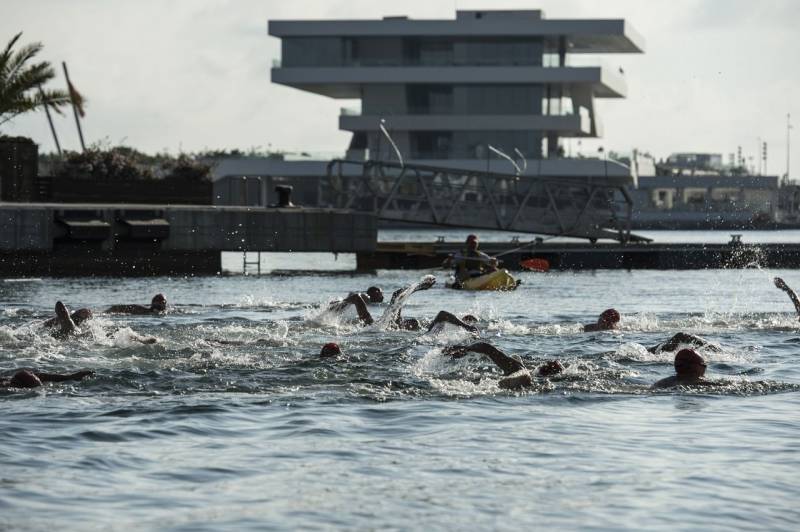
(427, 282)
(780, 283)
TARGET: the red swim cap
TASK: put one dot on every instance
(687, 358)
(330, 349)
(610, 316)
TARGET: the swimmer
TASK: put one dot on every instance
(689, 370)
(66, 325)
(780, 283)
(330, 350)
(158, 305)
(516, 374)
(24, 378)
(607, 321)
(394, 311)
(374, 295)
(467, 322)
(78, 317)
(680, 339)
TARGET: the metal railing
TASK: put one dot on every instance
(589, 208)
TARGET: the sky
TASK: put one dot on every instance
(188, 75)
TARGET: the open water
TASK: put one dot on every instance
(194, 434)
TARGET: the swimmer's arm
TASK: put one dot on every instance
(447, 317)
(395, 294)
(425, 284)
(361, 308)
(128, 309)
(506, 363)
(57, 377)
(780, 283)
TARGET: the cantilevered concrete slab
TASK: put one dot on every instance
(582, 36)
(574, 125)
(347, 82)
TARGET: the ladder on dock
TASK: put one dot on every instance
(246, 263)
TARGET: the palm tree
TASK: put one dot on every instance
(20, 82)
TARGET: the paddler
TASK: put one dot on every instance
(473, 262)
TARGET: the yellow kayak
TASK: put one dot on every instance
(497, 280)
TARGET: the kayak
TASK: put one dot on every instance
(496, 280)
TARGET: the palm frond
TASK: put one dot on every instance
(21, 80)
(17, 61)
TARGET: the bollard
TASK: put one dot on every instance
(284, 196)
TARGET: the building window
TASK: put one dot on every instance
(431, 144)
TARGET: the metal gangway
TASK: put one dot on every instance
(584, 207)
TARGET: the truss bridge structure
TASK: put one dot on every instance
(592, 207)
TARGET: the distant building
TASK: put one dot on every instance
(449, 89)
(693, 162)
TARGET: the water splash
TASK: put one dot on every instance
(390, 315)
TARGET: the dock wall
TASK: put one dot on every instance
(122, 239)
(397, 255)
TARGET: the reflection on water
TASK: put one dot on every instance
(232, 421)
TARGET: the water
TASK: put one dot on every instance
(192, 433)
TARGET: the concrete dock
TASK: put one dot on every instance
(586, 256)
(125, 239)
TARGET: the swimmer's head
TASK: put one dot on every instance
(159, 303)
(81, 315)
(472, 241)
(375, 294)
(550, 368)
(470, 319)
(689, 364)
(609, 319)
(410, 324)
(331, 349)
(24, 379)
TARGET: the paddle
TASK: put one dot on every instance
(536, 265)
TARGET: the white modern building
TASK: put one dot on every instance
(448, 89)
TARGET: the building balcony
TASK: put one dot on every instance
(346, 82)
(566, 125)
